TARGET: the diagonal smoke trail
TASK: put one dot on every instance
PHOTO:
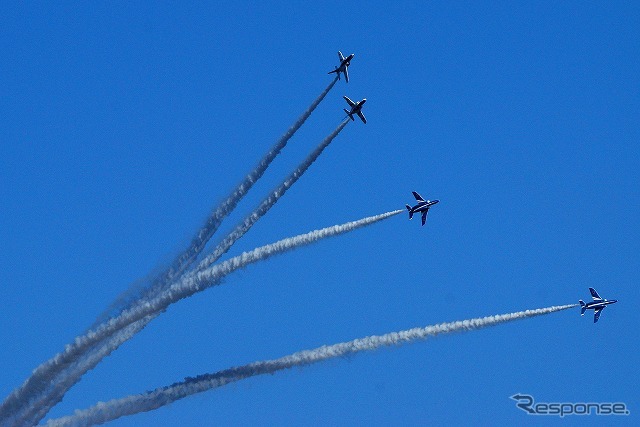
(268, 202)
(33, 386)
(66, 379)
(111, 410)
(19, 405)
(182, 262)
(210, 277)
(190, 284)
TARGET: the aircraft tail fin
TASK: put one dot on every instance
(410, 212)
(348, 114)
(584, 307)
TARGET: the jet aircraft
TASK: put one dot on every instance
(597, 305)
(344, 64)
(356, 108)
(422, 206)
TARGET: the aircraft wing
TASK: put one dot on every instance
(340, 56)
(424, 216)
(346, 73)
(362, 117)
(417, 196)
(594, 294)
(596, 314)
(350, 102)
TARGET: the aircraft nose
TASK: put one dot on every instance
(435, 201)
(615, 300)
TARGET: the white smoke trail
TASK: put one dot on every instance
(113, 409)
(71, 375)
(135, 319)
(33, 385)
(189, 255)
(211, 277)
(22, 400)
(268, 202)
(191, 282)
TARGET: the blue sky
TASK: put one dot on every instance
(123, 125)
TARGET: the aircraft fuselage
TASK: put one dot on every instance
(355, 108)
(423, 206)
(595, 305)
(342, 67)
(345, 63)
(358, 107)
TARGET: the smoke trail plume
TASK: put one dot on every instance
(182, 262)
(33, 386)
(135, 319)
(189, 285)
(268, 202)
(18, 402)
(70, 376)
(111, 410)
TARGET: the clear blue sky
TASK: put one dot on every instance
(123, 125)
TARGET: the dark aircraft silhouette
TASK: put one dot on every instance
(344, 64)
(597, 305)
(422, 206)
(356, 108)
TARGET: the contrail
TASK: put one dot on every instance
(114, 409)
(135, 319)
(182, 262)
(70, 376)
(191, 284)
(21, 400)
(212, 277)
(268, 202)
